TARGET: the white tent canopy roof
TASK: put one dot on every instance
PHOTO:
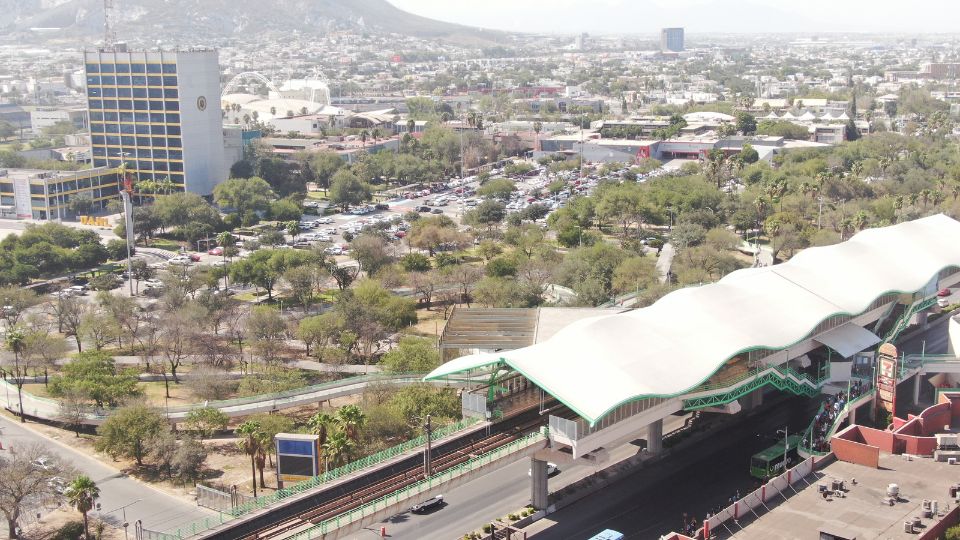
(848, 339)
(669, 348)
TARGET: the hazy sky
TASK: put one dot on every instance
(741, 16)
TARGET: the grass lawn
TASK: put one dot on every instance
(165, 244)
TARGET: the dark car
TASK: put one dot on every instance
(381, 206)
(436, 211)
(423, 209)
(429, 505)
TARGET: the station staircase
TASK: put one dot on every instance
(735, 385)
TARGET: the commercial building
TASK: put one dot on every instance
(671, 40)
(40, 194)
(47, 117)
(159, 113)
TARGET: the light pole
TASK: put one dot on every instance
(124, 509)
(786, 445)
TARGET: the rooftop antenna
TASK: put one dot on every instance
(109, 35)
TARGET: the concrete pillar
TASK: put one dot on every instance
(922, 320)
(655, 437)
(756, 398)
(539, 491)
(916, 388)
(852, 417)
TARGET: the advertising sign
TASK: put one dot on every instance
(887, 372)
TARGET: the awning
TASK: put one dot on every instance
(848, 339)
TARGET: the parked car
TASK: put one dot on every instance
(180, 259)
(215, 251)
(153, 283)
(436, 211)
(195, 257)
(423, 209)
(944, 292)
(551, 469)
(433, 503)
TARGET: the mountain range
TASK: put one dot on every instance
(188, 20)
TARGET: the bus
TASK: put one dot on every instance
(608, 534)
(769, 463)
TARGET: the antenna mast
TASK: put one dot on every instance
(109, 35)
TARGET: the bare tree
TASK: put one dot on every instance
(74, 406)
(22, 482)
(176, 334)
(15, 301)
(42, 348)
(69, 312)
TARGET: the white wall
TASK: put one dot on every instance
(198, 74)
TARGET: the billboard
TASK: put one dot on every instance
(298, 457)
(887, 373)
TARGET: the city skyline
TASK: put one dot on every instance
(697, 16)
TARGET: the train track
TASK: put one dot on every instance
(444, 458)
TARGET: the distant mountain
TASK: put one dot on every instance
(187, 20)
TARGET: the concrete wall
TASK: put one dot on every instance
(934, 531)
(953, 335)
(198, 74)
(850, 446)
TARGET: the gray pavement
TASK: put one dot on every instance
(157, 510)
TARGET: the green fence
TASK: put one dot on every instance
(202, 525)
(806, 442)
(781, 377)
(425, 485)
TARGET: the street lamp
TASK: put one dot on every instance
(786, 445)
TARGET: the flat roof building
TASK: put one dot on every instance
(671, 40)
(42, 194)
(158, 112)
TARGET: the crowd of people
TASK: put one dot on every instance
(829, 411)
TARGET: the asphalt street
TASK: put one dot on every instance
(157, 510)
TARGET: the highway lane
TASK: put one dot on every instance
(159, 511)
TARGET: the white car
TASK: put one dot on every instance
(323, 238)
(333, 250)
(551, 469)
(180, 259)
(151, 283)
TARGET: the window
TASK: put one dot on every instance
(160, 154)
(175, 154)
(93, 80)
(110, 104)
(123, 80)
(123, 92)
(153, 68)
(156, 105)
(156, 93)
(96, 104)
(99, 151)
(173, 118)
(126, 129)
(176, 178)
(138, 68)
(156, 117)
(141, 105)
(159, 141)
(97, 139)
(143, 129)
(129, 141)
(144, 152)
(125, 116)
(169, 68)
(113, 140)
(96, 128)
(111, 116)
(139, 92)
(36, 190)
(145, 165)
(172, 92)
(6, 187)
(108, 80)
(123, 68)
(174, 142)
(158, 130)
(109, 92)
(155, 80)
(139, 80)
(111, 128)
(173, 130)
(107, 68)
(143, 141)
(176, 166)
(98, 162)
(160, 166)
(96, 116)
(173, 105)
(93, 68)
(125, 104)
(169, 80)
(141, 117)
(94, 92)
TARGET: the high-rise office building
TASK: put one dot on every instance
(159, 113)
(671, 39)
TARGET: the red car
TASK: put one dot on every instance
(195, 257)
(944, 292)
(215, 251)
(400, 234)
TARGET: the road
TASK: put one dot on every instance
(157, 510)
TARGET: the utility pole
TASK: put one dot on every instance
(109, 35)
(426, 451)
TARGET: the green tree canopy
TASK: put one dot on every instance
(244, 195)
(94, 374)
(412, 355)
(127, 432)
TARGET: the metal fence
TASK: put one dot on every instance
(473, 404)
(221, 501)
(252, 504)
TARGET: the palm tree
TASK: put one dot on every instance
(250, 444)
(913, 198)
(15, 340)
(860, 220)
(846, 225)
(955, 191)
(225, 241)
(363, 137)
(537, 128)
(293, 229)
(82, 493)
(338, 448)
(351, 419)
(411, 125)
(320, 424)
(925, 195)
(898, 205)
(938, 197)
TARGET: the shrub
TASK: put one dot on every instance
(105, 282)
(72, 530)
(488, 528)
(953, 533)
(117, 249)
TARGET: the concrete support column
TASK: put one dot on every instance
(852, 417)
(756, 398)
(539, 491)
(655, 437)
(922, 320)
(916, 388)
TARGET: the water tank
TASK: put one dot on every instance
(908, 527)
(893, 490)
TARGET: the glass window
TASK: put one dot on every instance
(36, 190)
(99, 151)
(175, 154)
(93, 68)
(176, 178)
(145, 165)
(128, 140)
(160, 154)
(139, 92)
(97, 139)
(96, 104)
(143, 129)
(113, 140)
(173, 105)
(125, 104)
(143, 141)
(123, 68)
(111, 116)
(98, 162)
(156, 117)
(123, 92)
(97, 128)
(96, 116)
(155, 80)
(139, 80)
(126, 129)
(173, 142)
(143, 152)
(138, 68)
(93, 80)
(94, 92)
(126, 116)
(176, 166)
(173, 118)
(156, 105)
(172, 92)
(160, 166)
(109, 92)
(159, 141)
(158, 130)
(108, 190)
(156, 93)
(173, 130)
(141, 105)
(106, 68)
(153, 68)
(109, 104)
(169, 80)
(169, 68)
(108, 79)
(112, 128)
(83, 183)
(141, 117)
(123, 80)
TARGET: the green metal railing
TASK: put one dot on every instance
(781, 377)
(264, 501)
(904, 321)
(425, 485)
(806, 442)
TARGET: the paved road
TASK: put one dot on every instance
(665, 260)
(158, 510)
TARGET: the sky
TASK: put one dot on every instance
(706, 16)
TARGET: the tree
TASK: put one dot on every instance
(498, 188)
(267, 328)
(302, 280)
(415, 262)
(486, 214)
(325, 165)
(266, 266)
(22, 483)
(749, 154)
(346, 189)
(371, 251)
(435, 232)
(15, 301)
(187, 460)
(412, 355)
(338, 448)
(746, 123)
(271, 425)
(249, 443)
(351, 420)
(319, 331)
(127, 432)
(95, 376)
(82, 493)
(634, 274)
(14, 340)
(206, 421)
(321, 424)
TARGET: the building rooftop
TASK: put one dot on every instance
(860, 512)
